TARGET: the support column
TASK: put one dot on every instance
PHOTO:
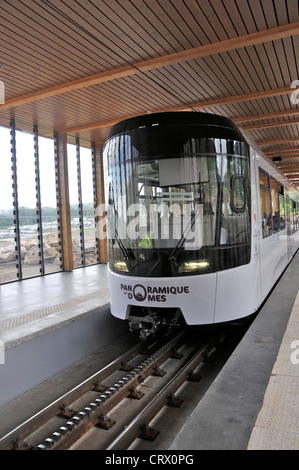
(100, 196)
(65, 210)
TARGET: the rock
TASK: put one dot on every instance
(50, 254)
(23, 252)
(90, 247)
(32, 256)
(27, 244)
(53, 240)
(7, 255)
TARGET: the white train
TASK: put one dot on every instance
(200, 223)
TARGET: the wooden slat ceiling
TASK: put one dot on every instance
(78, 66)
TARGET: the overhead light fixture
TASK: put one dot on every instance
(276, 159)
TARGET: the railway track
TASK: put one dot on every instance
(116, 405)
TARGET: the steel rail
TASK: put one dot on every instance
(132, 431)
(9, 441)
(96, 412)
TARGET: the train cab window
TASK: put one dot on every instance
(281, 206)
(179, 213)
(265, 203)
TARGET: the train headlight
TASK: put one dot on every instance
(192, 266)
(121, 266)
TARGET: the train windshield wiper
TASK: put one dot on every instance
(128, 255)
(180, 244)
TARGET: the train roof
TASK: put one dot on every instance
(212, 125)
(207, 125)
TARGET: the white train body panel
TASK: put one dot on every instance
(191, 294)
(205, 299)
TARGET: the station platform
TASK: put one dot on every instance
(253, 404)
(49, 323)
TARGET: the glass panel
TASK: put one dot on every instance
(292, 215)
(8, 270)
(51, 245)
(235, 211)
(281, 206)
(288, 215)
(88, 206)
(74, 203)
(238, 194)
(275, 205)
(296, 216)
(168, 216)
(174, 197)
(265, 203)
(29, 241)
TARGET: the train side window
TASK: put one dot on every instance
(281, 206)
(288, 215)
(292, 215)
(265, 203)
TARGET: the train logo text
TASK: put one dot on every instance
(152, 293)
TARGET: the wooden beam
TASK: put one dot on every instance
(284, 167)
(92, 126)
(257, 95)
(65, 211)
(278, 141)
(270, 124)
(196, 105)
(281, 149)
(100, 194)
(238, 42)
(277, 114)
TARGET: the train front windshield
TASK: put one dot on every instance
(181, 215)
